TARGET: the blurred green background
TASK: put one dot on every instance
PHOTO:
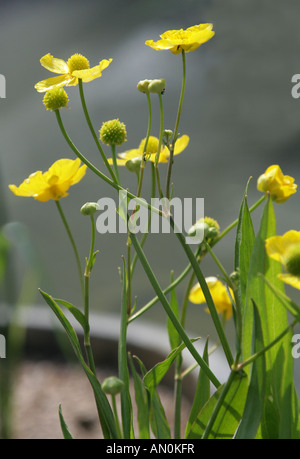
(238, 111)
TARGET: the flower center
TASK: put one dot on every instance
(293, 260)
(152, 145)
(78, 62)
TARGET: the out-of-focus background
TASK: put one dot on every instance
(238, 111)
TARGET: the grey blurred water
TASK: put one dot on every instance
(238, 112)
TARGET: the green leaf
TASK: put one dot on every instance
(100, 396)
(229, 414)
(65, 430)
(245, 237)
(202, 394)
(158, 420)
(142, 403)
(156, 374)
(254, 405)
(279, 362)
(77, 314)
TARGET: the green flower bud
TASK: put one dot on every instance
(167, 135)
(157, 86)
(142, 85)
(112, 385)
(55, 99)
(89, 208)
(133, 165)
(113, 132)
(209, 226)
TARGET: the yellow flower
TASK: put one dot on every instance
(218, 293)
(151, 150)
(186, 40)
(52, 184)
(286, 250)
(76, 67)
(280, 186)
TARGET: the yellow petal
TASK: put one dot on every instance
(120, 162)
(54, 82)
(31, 186)
(90, 74)
(294, 281)
(218, 293)
(278, 246)
(53, 64)
(181, 144)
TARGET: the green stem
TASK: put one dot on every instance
(175, 134)
(115, 411)
(114, 158)
(71, 238)
(161, 130)
(170, 313)
(95, 137)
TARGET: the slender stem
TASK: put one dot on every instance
(114, 158)
(71, 238)
(170, 313)
(161, 130)
(115, 411)
(95, 137)
(175, 134)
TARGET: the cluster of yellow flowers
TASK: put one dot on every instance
(55, 183)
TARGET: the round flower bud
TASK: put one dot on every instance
(112, 385)
(142, 85)
(133, 165)
(157, 86)
(113, 132)
(55, 99)
(209, 226)
(89, 208)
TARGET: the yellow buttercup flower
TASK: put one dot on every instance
(52, 184)
(280, 186)
(183, 40)
(286, 250)
(151, 150)
(76, 67)
(218, 293)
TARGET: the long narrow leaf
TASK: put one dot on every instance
(158, 420)
(65, 430)
(100, 396)
(255, 398)
(202, 394)
(229, 414)
(156, 374)
(142, 403)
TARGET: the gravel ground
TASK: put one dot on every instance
(40, 388)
